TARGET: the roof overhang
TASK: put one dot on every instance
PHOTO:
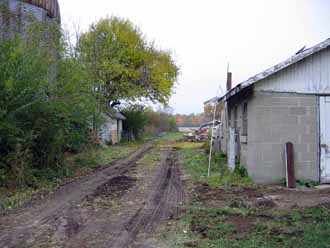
(272, 70)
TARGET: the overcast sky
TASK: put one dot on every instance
(204, 35)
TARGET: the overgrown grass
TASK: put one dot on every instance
(78, 165)
(48, 179)
(93, 157)
(172, 136)
(195, 161)
(241, 228)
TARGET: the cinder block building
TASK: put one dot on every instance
(289, 102)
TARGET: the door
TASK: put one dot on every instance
(119, 130)
(325, 138)
(237, 136)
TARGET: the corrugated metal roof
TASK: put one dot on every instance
(114, 114)
(302, 54)
(120, 116)
(52, 7)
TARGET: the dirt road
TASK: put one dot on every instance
(119, 206)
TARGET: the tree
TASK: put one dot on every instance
(136, 119)
(123, 65)
(180, 119)
(209, 111)
(144, 120)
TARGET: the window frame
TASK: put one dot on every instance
(245, 124)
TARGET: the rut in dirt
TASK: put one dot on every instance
(58, 213)
(164, 203)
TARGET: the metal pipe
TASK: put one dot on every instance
(213, 125)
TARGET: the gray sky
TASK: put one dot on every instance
(204, 35)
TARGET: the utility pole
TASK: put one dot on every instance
(219, 91)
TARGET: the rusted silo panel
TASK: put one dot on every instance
(51, 6)
(16, 15)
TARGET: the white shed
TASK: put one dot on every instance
(111, 131)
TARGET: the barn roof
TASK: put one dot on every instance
(51, 6)
(115, 114)
(300, 55)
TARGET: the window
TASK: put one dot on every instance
(236, 125)
(235, 118)
(229, 117)
(245, 119)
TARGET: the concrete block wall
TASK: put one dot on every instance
(223, 132)
(273, 120)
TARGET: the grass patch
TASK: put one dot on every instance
(169, 137)
(78, 165)
(48, 179)
(237, 225)
(189, 145)
(240, 228)
(92, 158)
(196, 160)
(152, 158)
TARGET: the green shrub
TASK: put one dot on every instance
(136, 119)
(206, 147)
(241, 170)
(221, 161)
(43, 114)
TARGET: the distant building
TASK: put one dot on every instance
(111, 130)
(16, 15)
(289, 102)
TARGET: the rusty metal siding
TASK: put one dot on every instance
(31, 10)
(51, 6)
(309, 76)
(16, 16)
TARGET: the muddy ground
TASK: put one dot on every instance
(131, 202)
(119, 206)
(261, 197)
(281, 212)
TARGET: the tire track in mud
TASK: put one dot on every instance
(163, 203)
(35, 225)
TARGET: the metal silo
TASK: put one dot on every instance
(16, 15)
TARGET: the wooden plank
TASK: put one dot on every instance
(289, 157)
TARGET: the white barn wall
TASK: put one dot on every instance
(309, 76)
(284, 108)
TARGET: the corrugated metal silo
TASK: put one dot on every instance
(16, 15)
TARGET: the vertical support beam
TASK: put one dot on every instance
(289, 162)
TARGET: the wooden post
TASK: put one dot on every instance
(289, 162)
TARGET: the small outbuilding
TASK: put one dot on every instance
(111, 130)
(289, 102)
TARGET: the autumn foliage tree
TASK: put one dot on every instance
(50, 94)
(143, 120)
(124, 65)
(209, 111)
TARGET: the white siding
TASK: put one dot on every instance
(105, 132)
(311, 75)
